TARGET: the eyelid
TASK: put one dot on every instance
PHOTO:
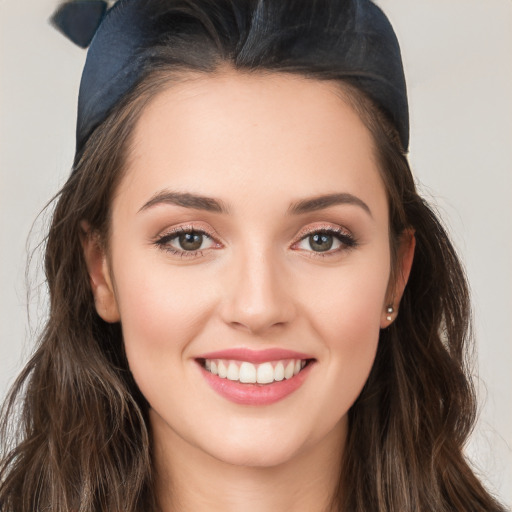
(163, 239)
(322, 227)
(343, 235)
(188, 228)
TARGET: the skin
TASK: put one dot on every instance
(257, 143)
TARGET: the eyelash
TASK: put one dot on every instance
(348, 241)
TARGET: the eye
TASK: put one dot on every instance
(326, 241)
(186, 242)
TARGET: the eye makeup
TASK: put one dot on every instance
(326, 235)
(185, 234)
(323, 238)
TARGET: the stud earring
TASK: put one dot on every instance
(390, 312)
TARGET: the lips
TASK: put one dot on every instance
(251, 377)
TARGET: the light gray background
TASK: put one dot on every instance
(458, 60)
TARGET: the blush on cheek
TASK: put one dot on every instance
(357, 350)
(159, 319)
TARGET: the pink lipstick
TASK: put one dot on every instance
(255, 377)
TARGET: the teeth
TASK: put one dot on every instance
(222, 369)
(249, 373)
(288, 371)
(233, 372)
(265, 374)
(279, 371)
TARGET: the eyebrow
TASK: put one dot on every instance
(187, 200)
(198, 202)
(325, 201)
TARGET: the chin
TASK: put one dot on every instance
(256, 455)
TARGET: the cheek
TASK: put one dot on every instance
(348, 303)
(347, 316)
(162, 310)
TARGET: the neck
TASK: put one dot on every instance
(188, 479)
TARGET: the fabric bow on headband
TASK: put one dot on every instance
(126, 36)
(79, 20)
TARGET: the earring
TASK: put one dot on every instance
(390, 312)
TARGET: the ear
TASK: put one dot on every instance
(405, 257)
(99, 275)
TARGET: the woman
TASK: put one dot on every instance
(243, 310)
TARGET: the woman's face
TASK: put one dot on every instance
(249, 238)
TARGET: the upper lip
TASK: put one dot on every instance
(255, 356)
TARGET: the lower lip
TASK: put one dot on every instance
(255, 394)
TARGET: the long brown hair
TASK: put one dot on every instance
(82, 440)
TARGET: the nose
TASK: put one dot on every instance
(259, 294)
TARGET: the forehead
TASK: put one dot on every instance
(257, 136)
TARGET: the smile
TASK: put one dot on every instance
(249, 373)
(255, 378)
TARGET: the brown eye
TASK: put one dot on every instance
(190, 241)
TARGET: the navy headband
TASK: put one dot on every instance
(123, 39)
